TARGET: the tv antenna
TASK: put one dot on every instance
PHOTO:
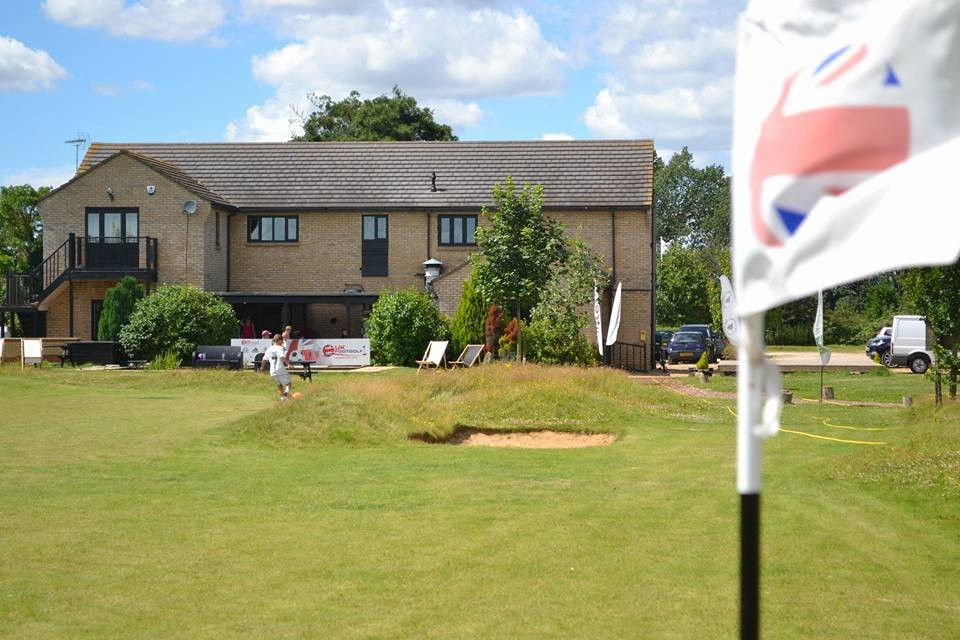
(78, 142)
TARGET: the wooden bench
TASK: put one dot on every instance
(300, 368)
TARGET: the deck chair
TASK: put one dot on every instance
(31, 351)
(434, 356)
(469, 357)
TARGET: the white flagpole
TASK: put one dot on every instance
(750, 388)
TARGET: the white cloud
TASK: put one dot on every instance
(172, 20)
(669, 76)
(40, 176)
(108, 90)
(113, 90)
(445, 53)
(456, 112)
(26, 69)
(274, 120)
(557, 136)
(677, 114)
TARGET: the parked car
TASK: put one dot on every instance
(686, 346)
(660, 341)
(910, 343)
(713, 341)
(880, 345)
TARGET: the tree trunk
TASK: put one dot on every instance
(953, 382)
(937, 389)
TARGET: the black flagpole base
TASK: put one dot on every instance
(749, 566)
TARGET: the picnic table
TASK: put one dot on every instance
(302, 368)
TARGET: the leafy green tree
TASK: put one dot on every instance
(468, 322)
(718, 263)
(118, 304)
(177, 318)
(934, 292)
(21, 237)
(401, 324)
(555, 334)
(682, 296)
(691, 205)
(394, 117)
(519, 248)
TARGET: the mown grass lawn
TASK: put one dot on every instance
(193, 504)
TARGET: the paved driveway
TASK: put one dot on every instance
(802, 361)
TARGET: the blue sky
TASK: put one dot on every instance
(234, 70)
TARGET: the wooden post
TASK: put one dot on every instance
(828, 393)
(787, 396)
(907, 401)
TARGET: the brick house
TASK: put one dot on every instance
(308, 234)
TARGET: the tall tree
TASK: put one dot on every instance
(557, 323)
(682, 294)
(468, 322)
(692, 205)
(518, 249)
(393, 117)
(21, 237)
(118, 305)
(934, 292)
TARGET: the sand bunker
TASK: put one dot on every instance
(528, 439)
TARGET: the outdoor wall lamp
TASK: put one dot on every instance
(432, 269)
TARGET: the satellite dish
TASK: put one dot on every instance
(190, 207)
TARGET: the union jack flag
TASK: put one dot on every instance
(818, 149)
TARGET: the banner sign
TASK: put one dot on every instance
(340, 352)
(613, 327)
(596, 319)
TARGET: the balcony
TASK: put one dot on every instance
(84, 258)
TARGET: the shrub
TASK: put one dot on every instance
(468, 323)
(493, 329)
(164, 361)
(401, 324)
(508, 341)
(118, 304)
(704, 362)
(557, 340)
(844, 325)
(177, 318)
(557, 325)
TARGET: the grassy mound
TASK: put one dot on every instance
(390, 407)
(925, 455)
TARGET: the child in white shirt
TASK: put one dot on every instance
(276, 355)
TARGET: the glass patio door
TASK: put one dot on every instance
(112, 239)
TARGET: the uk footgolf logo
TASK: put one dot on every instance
(834, 125)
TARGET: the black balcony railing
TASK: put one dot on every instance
(112, 254)
(629, 356)
(82, 254)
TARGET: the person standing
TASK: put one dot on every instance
(276, 356)
(248, 331)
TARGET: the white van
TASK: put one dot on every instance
(910, 343)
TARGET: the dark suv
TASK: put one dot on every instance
(880, 345)
(714, 341)
(660, 342)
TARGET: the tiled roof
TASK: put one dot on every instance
(337, 175)
(178, 176)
